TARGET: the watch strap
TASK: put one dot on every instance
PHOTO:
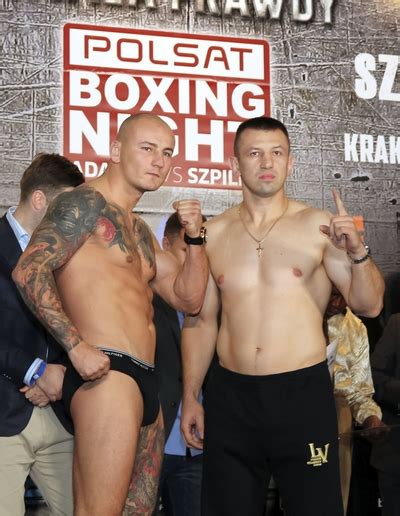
(193, 240)
(200, 240)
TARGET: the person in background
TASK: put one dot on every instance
(33, 432)
(348, 361)
(385, 457)
(180, 479)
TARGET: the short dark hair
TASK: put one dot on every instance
(260, 123)
(49, 173)
(173, 226)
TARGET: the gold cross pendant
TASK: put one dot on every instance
(259, 249)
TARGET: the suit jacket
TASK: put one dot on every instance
(22, 339)
(385, 362)
(168, 360)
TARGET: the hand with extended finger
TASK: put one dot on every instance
(343, 231)
(90, 362)
(189, 213)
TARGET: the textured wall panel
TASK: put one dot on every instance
(313, 77)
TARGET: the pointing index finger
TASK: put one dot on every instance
(341, 210)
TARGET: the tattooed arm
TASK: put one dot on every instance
(69, 222)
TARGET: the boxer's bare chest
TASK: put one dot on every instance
(288, 257)
(125, 241)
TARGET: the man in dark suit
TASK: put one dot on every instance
(385, 363)
(180, 478)
(32, 439)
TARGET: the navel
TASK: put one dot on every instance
(297, 272)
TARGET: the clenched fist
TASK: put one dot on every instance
(189, 213)
(90, 362)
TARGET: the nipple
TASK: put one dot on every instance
(129, 258)
(297, 272)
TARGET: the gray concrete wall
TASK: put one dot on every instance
(313, 92)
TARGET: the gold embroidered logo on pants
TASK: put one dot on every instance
(318, 457)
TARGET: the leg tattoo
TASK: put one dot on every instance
(142, 495)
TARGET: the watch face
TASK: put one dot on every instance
(203, 234)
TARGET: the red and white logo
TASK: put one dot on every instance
(202, 86)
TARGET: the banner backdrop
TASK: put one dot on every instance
(202, 86)
(71, 71)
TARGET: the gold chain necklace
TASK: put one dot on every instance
(259, 248)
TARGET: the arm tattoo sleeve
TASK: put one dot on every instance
(69, 221)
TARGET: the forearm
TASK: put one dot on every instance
(364, 408)
(367, 286)
(352, 371)
(191, 281)
(198, 348)
(39, 291)
(358, 394)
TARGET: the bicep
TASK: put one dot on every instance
(48, 248)
(338, 268)
(68, 223)
(167, 270)
(207, 318)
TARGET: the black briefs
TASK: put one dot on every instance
(142, 373)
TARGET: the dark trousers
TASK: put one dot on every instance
(180, 484)
(364, 492)
(284, 424)
(389, 486)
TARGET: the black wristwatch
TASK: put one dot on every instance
(200, 240)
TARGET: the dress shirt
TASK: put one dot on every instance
(20, 234)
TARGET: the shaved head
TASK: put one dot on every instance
(131, 121)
